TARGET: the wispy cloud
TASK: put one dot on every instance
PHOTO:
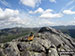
(5, 3)
(72, 7)
(68, 4)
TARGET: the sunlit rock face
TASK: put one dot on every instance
(47, 42)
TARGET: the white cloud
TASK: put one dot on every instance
(54, 1)
(40, 10)
(30, 3)
(72, 22)
(46, 13)
(7, 13)
(14, 18)
(50, 15)
(7, 17)
(68, 12)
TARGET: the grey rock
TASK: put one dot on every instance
(47, 42)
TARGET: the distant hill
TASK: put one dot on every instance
(11, 33)
(66, 29)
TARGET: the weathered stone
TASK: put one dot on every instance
(47, 42)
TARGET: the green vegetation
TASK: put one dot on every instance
(9, 34)
(11, 37)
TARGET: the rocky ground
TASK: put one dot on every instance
(47, 42)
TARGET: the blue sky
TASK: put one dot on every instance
(36, 13)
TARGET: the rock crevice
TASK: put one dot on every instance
(47, 42)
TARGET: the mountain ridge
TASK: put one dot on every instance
(47, 42)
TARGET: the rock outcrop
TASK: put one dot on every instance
(47, 42)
